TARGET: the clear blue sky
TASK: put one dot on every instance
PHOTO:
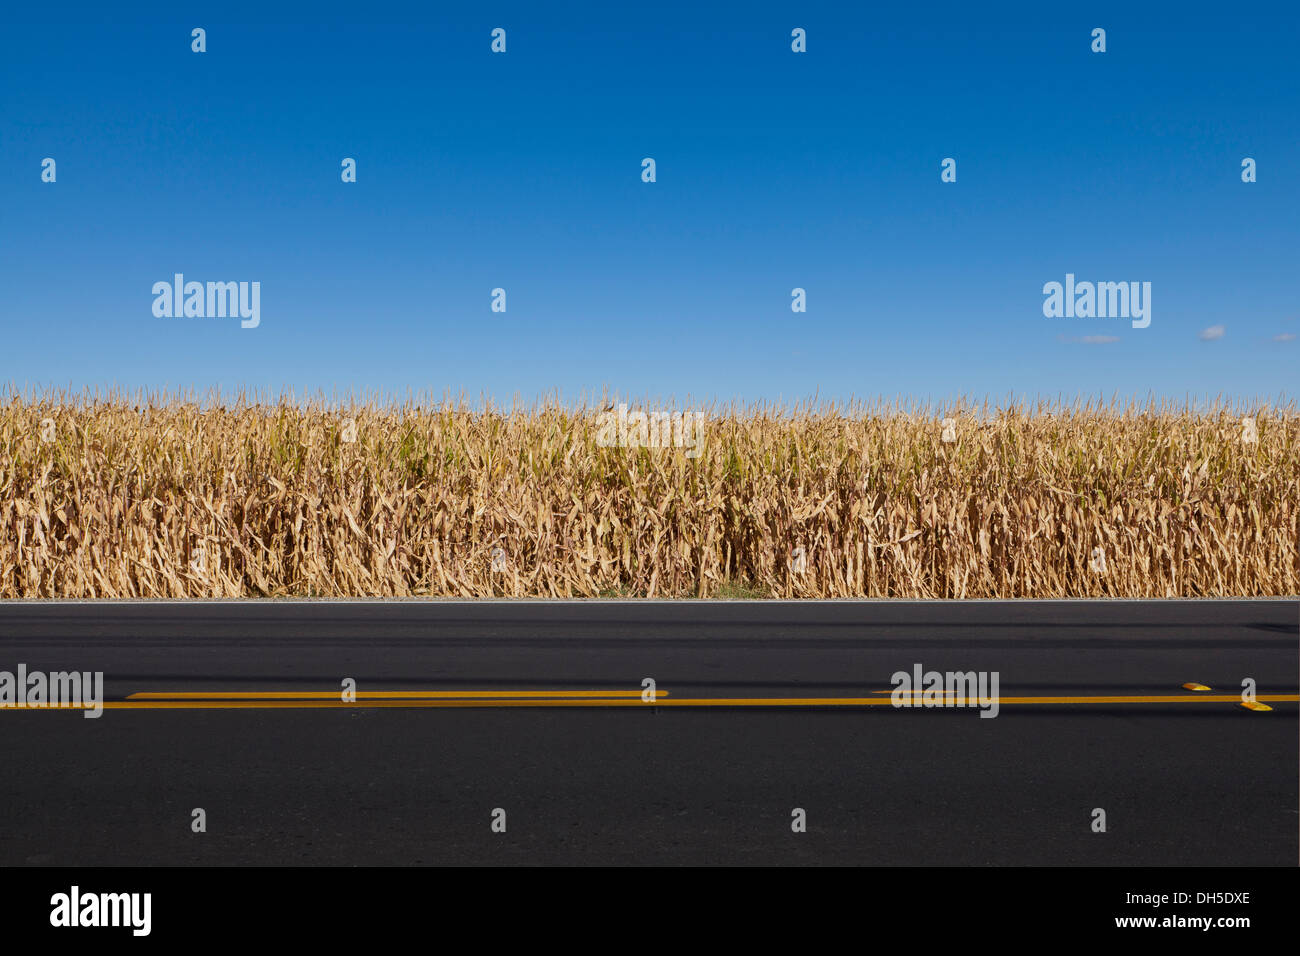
(775, 170)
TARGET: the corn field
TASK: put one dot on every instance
(167, 496)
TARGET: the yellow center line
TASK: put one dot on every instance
(216, 703)
(381, 694)
(916, 697)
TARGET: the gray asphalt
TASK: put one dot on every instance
(1203, 783)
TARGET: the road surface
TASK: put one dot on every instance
(531, 715)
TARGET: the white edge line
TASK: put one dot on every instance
(600, 602)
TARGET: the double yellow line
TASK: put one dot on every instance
(322, 700)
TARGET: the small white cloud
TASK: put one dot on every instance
(1210, 334)
(1089, 339)
(1284, 337)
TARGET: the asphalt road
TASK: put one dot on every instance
(760, 708)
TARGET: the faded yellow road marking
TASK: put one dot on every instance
(380, 694)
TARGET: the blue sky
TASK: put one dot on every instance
(775, 170)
